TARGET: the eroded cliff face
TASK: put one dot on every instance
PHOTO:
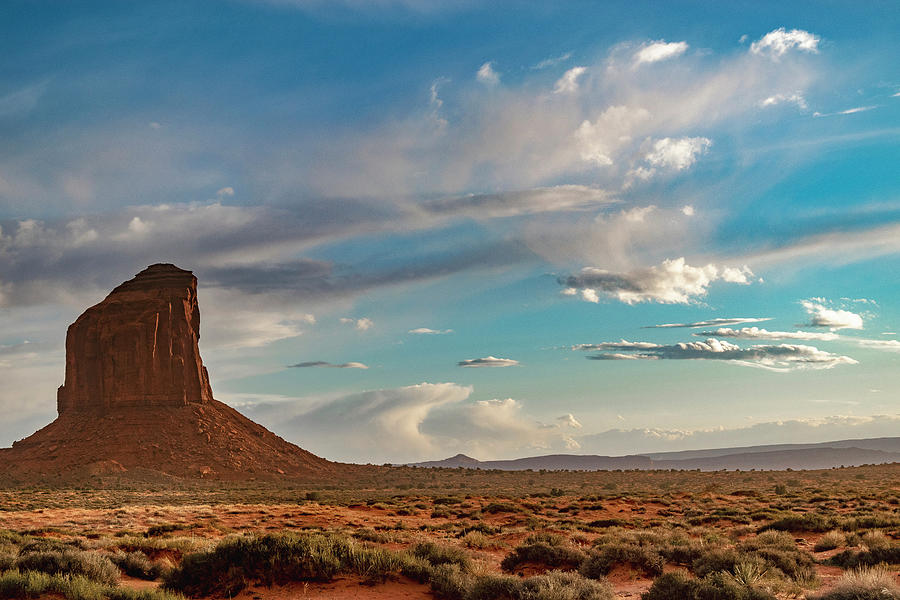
(138, 347)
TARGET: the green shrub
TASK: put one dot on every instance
(603, 559)
(718, 586)
(852, 559)
(812, 522)
(830, 541)
(864, 584)
(437, 554)
(16, 585)
(70, 562)
(136, 564)
(550, 550)
(277, 559)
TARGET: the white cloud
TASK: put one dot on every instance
(328, 365)
(888, 345)
(601, 139)
(487, 75)
(658, 51)
(488, 361)
(672, 282)
(621, 345)
(776, 99)
(225, 192)
(849, 111)
(778, 42)
(362, 324)
(687, 210)
(677, 154)
(782, 358)
(427, 331)
(755, 333)
(569, 420)
(712, 322)
(412, 423)
(558, 198)
(553, 61)
(822, 316)
(568, 83)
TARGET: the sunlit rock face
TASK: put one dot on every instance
(138, 347)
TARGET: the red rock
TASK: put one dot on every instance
(139, 347)
(135, 384)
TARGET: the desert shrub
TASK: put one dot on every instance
(34, 584)
(603, 559)
(852, 559)
(370, 535)
(49, 545)
(277, 559)
(718, 586)
(876, 521)
(557, 585)
(438, 554)
(812, 522)
(500, 507)
(864, 584)
(164, 528)
(831, 540)
(548, 549)
(448, 582)
(70, 562)
(477, 540)
(136, 564)
(875, 540)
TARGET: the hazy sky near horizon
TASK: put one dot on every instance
(423, 228)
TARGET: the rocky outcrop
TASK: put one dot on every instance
(137, 404)
(139, 347)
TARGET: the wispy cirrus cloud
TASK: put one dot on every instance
(428, 331)
(755, 333)
(719, 321)
(328, 365)
(782, 358)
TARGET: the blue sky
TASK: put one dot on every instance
(467, 222)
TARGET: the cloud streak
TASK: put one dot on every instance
(328, 365)
(488, 361)
(783, 357)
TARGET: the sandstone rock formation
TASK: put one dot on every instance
(137, 401)
(139, 347)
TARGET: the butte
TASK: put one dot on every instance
(137, 403)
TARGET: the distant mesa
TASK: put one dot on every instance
(137, 400)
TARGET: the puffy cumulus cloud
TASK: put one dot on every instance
(569, 420)
(600, 140)
(487, 75)
(776, 99)
(783, 357)
(672, 282)
(328, 365)
(361, 324)
(712, 322)
(778, 42)
(488, 361)
(671, 154)
(822, 316)
(568, 83)
(755, 333)
(409, 424)
(621, 345)
(793, 431)
(429, 331)
(658, 51)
